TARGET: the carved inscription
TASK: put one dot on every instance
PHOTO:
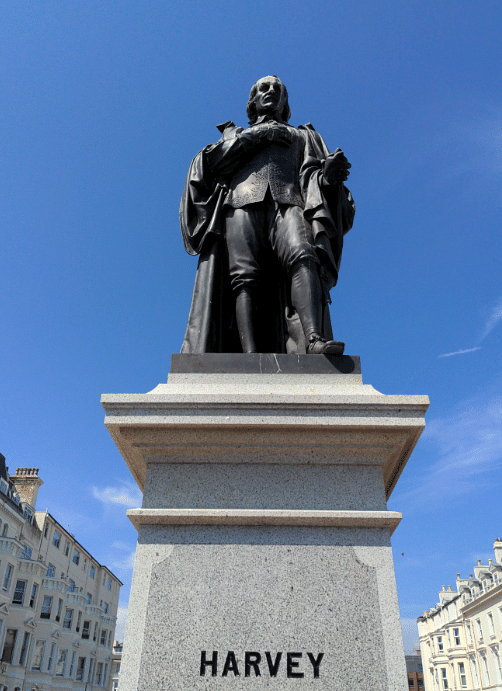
(295, 666)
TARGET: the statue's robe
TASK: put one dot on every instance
(328, 209)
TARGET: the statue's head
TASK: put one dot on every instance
(268, 96)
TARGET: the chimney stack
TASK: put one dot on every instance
(27, 484)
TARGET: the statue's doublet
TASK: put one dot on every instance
(274, 167)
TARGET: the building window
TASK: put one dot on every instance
(51, 657)
(490, 624)
(117, 668)
(38, 655)
(469, 633)
(80, 668)
(109, 639)
(24, 649)
(9, 644)
(102, 640)
(497, 666)
(89, 599)
(105, 607)
(479, 629)
(440, 644)
(99, 673)
(71, 587)
(60, 609)
(462, 675)
(456, 636)
(484, 667)
(84, 565)
(91, 670)
(7, 577)
(26, 553)
(76, 556)
(105, 674)
(474, 670)
(45, 612)
(444, 678)
(56, 539)
(86, 629)
(72, 665)
(60, 664)
(92, 571)
(46, 529)
(79, 621)
(95, 634)
(19, 591)
(33, 598)
(109, 584)
(66, 548)
(68, 616)
(51, 570)
(5, 530)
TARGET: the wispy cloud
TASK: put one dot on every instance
(126, 563)
(460, 352)
(467, 446)
(493, 319)
(125, 494)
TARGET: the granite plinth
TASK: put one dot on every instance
(264, 527)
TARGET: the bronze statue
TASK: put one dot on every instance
(266, 209)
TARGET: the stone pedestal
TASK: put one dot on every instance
(264, 556)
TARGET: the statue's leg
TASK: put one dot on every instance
(293, 244)
(243, 232)
(307, 297)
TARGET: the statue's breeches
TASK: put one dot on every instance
(256, 230)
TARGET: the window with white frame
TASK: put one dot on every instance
(26, 553)
(60, 609)
(99, 673)
(56, 539)
(24, 649)
(91, 670)
(80, 669)
(456, 636)
(19, 591)
(484, 667)
(72, 664)
(462, 675)
(5, 531)
(440, 644)
(469, 633)
(102, 640)
(71, 587)
(86, 628)
(92, 571)
(51, 570)
(474, 670)
(76, 556)
(79, 621)
(7, 577)
(9, 645)
(479, 629)
(60, 664)
(498, 668)
(68, 616)
(66, 548)
(109, 584)
(491, 627)
(105, 607)
(444, 679)
(95, 634)
(38, 655)
(89, 598)
(33, 597)
(50, 661)
(109, 639)
(105, 674)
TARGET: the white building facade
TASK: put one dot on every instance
(58, 605)
(461, 637)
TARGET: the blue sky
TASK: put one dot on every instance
(102, 107)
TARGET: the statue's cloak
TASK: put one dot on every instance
(329, 210)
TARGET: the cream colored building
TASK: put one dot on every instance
(58, 605)
(461, 637)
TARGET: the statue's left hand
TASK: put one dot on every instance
(336, 168)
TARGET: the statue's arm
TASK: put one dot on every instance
(228, 153)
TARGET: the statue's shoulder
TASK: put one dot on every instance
(229, 129)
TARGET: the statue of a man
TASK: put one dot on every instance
(266, 209)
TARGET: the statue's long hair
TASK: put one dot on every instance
(251, 107)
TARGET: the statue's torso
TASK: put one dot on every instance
(274, 167)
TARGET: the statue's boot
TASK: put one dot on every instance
(244, 308)
(307, 299)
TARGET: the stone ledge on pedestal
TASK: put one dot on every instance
(345, 519)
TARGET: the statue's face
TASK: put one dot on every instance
(269, 97)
